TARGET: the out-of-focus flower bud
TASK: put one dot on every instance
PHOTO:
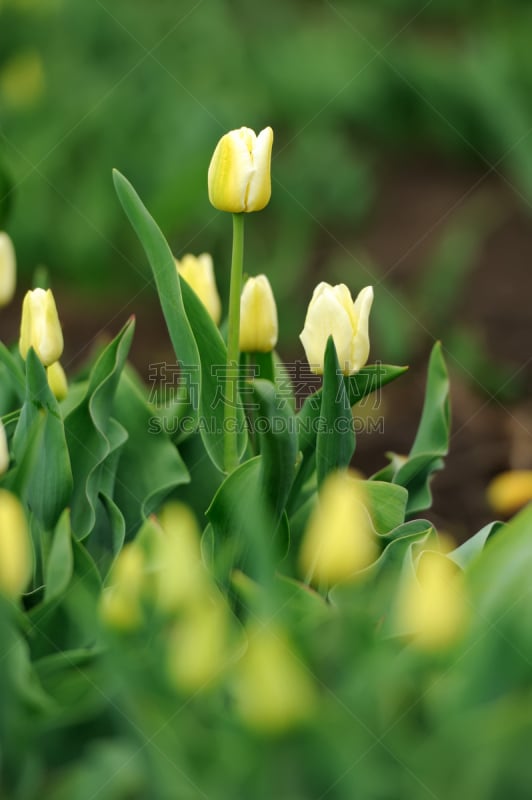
(258, 316)
(273, 690)
(40, 327)
(197, 646)
(57, 380)
(121, 602)
(198, 271)
(332, 312)
(431, 606)
(239, 172)
(8, 269)
(22, 79)
(510, 491)
(4, 450)
(15, 547)
(338, 541)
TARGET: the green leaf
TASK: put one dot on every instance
(92, 436)
(13, 372)
(48, 481)
(500, 576)
(387, 504)
(108, 535)
(433, 432)
(370, 379)
(240, 517)
(197, 342)
(278, 444)
(431, 442)
(335, 442)
(473, 547)
(150, 465)
(60, 563)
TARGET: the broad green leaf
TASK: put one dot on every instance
(278, 444)
(108, 535)
(197, 342)
(499, 576)
(370, 379)
(240, 516)
(473, 547)
(415, 471)
(150, 465)
(48, 483)
(60, 562)
(386, 504)
(433, 432)
(335, 443)
(92, 436)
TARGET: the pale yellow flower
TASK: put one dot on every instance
(258, 316)
(338, 541)
(332, 312)
(40, 327)
(16, 558)
(239, 172)
(8, 269)
(510, 491)
(57, 380)
(198, 271)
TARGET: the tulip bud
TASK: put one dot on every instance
(510, 491)
(4, 450)
(258, 317)
(331, 312)
(15, 547)
(57, 380)
(338, 541)
(121, 602)
(197, 645)
(273, 690)
(8, 269)
(431, 605)
(239, 172)
(40, 327)
(199, 274)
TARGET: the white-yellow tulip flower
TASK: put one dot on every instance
(332, 312)
(15, 547)
(40, 327)
(258, 317)
(338, 541)
(239, 172)
(8, 269)
(198, 271)
(57, 380)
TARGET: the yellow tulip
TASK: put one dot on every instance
(239, 172)
(273, 690)
(57, 380)
(4, 450)
(15, 547)
(8, 270)
(332, 312)
(198, 272)
(258, 317)
(338, 541)
(121, 606)
(431, 606)
(40, 327)
(510, 491)
(197, 645)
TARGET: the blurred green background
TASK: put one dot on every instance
(402, 157)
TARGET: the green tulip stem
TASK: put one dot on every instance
(233, 354)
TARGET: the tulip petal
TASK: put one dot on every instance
(326, 317)
(258, 317)
(230, 172)
(259, 189)
(360, 344)
(8, 269)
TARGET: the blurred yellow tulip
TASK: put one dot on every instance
(258, 316)
(16, 557)
(198, 271)
(510, 491)
(8, 269)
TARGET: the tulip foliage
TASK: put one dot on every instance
(174, 624)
